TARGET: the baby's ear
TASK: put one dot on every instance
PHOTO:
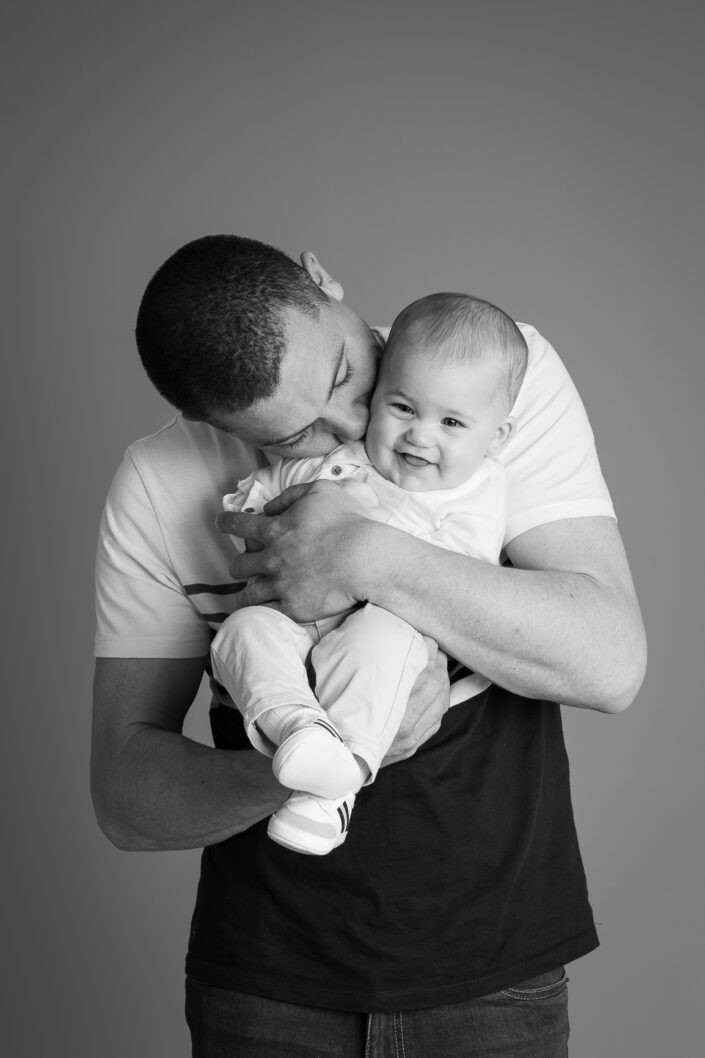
(502, 434)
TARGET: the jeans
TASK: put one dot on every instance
(526, 1021)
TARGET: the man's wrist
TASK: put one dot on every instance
(373, 560)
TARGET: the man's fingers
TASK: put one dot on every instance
(247, 565)
(248, 526)
(431, 647)
(255, 593)
(284, 500)
(403, 750)
(254, 545)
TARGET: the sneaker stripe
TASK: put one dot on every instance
(344, 816)
(329, 728)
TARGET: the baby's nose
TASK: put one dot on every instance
(419, 434)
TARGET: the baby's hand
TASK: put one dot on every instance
(428, 703)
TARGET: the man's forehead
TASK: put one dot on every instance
(307, 375)
(308, 335)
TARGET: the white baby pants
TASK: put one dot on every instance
(365, 664)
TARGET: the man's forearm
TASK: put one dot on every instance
(563, 625)
(164, 791)
(567, 636)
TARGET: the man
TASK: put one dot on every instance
(450, 910)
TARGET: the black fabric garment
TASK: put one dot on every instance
(461, 875)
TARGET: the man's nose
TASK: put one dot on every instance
(349, 424)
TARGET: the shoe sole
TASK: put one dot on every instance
(290, 838)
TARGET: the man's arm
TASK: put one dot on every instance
(564, 625)
(153, 788)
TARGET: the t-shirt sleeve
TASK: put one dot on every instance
(142, 609)
(553, 471)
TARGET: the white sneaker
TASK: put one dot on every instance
(311, 824)
(316, 760)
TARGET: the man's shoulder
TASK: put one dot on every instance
(547, 384)
(185, 452)
(183, 439)
(542, 355)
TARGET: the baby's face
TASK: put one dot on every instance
(432, 421)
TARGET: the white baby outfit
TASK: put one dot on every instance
(364, 661)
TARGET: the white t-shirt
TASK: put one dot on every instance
(163, 582)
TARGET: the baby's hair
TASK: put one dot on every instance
(467, 329)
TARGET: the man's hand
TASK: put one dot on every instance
(428, 703)
(312, 546)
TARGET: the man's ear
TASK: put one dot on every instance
(502, 434)
(318, 274)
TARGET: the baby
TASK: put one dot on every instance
(440, 414)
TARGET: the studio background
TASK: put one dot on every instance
(546, 156)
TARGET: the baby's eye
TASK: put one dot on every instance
(404, 409)
(452, 422)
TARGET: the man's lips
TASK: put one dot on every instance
(414, 461)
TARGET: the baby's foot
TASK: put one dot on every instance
(310, 824)
(316, 760)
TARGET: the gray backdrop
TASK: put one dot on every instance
(546, 156)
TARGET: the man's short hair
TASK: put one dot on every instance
(210, 329)
(465, 328)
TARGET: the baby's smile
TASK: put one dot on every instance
(414, 461)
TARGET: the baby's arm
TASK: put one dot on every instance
(477, 537)
(366, 496)
(251, 495)
(266, 484)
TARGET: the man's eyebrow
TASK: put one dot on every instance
(292, 436)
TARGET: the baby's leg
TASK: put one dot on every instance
(259, 655)
(365, 670)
